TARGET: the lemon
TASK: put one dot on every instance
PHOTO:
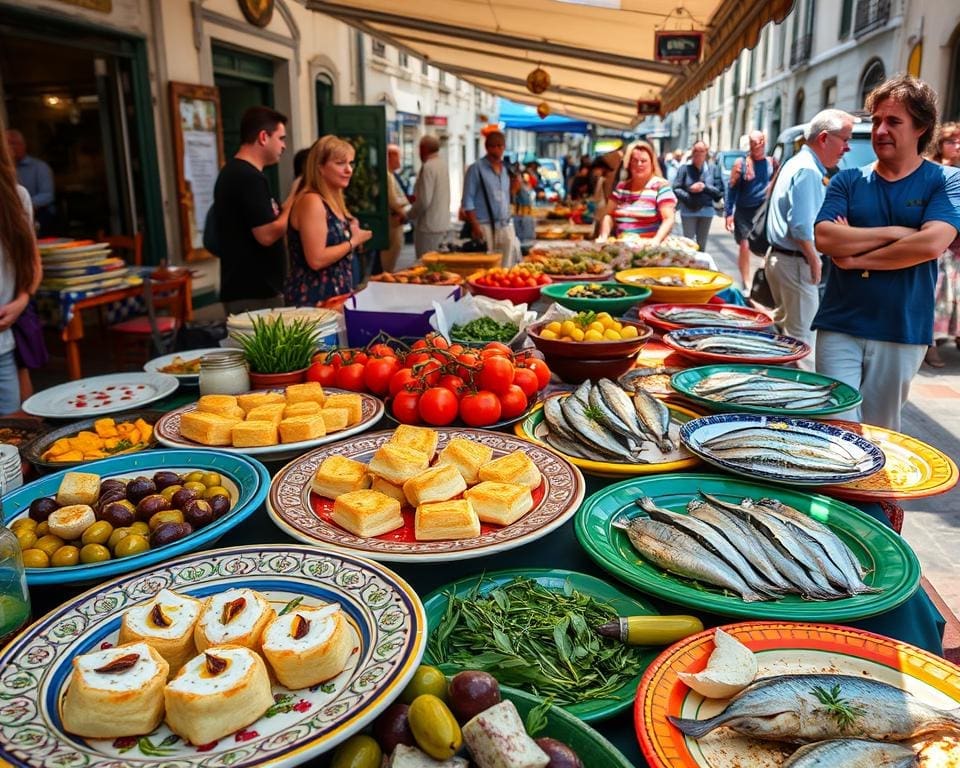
(577, 334)
(596, 326)
(568, 327)
(546, 333)
(592, 335)
(731, 668)
(553, 327)
(611, 334)
(629, 332)
(603, 316)
(617, 326)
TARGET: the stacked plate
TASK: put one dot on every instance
(10, 467)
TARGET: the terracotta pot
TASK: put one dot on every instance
(268, 380)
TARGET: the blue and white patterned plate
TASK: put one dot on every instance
(794, 349)
(384, 613)
(247, 480)
(869, 458)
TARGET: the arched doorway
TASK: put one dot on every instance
(873, 75)
(798, 107)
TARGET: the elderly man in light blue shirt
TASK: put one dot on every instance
(793, 265)
(486, 201)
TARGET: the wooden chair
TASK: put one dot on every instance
(129, 248)
(167, 298)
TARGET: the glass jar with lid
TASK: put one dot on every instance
(224, 373)
(14, 595)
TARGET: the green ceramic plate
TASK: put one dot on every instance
(616, 306)
(846, 397)
(435, 605)
(892, 565)
(592, 748)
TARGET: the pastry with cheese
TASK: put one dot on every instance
(440, 483)
(351, 402)
(166, 624)
(234, 617)
(421, 439)
(397, 463)
(308, 646)
(250, 400)
(388, 489)
(366, 513)
(254, 434)
(306, 408)
(310, 391)
(499, 503)
(293, 429)
(446, 520)
(516, 467)
(115, 692)
(217, 693)
(467, 456)
(270, 412)
(338, 474)
(221, 405)
(335, 419)
(207, 428)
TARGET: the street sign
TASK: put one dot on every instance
(677, 47)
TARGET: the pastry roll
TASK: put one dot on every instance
(166, 624)
(207, 428)
(115, 692)
(338, 474)
(308, 645)
(234, 617)
(217, 693)
(309, 392)
(351, 402)
(252, 400)
(270, 412)
(220, 405)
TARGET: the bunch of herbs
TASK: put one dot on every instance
(279, 347)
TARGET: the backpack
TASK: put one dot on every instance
(211, 234)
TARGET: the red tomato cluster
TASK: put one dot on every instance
(520, 276)
(437, 382)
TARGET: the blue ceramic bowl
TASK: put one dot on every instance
(246, 478)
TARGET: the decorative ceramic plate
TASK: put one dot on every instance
(735, 316)
(34, 450)
(621, 604)
(72, 247)
(168, 431)
(76, 259)
(892, 565)
(913, 469)
(867, 456)
(843, 396)
(794, 349)
(684, 285)
(384, 613)
(188, 378)
(100, 395)
(534, 427)
(306, 516)
(247, 480)
(780, 649)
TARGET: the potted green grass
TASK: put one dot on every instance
(278, 352)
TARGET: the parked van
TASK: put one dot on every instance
(861, 150)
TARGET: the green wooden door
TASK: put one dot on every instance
(365, 127)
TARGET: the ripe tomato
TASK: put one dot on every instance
(378, 372)
(322, 372)
(469, 362)
(405, 407)
(358, 356)
(416, 357)
(456, 349)
(540, 368)
(527, 380)
(513, 402)
(438, 406)
(381, 350)
(454, 383)
(496, 346)
(481, 409)
(428, 372)
(437, 341)
(351, 377)
(496, 375)
(419, 344)
(400, 380)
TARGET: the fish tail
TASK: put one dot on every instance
(696, 729)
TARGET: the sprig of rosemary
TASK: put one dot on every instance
(278, 347)
(837, 707)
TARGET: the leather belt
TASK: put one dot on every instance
(778, 249)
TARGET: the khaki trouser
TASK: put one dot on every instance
(796, 298)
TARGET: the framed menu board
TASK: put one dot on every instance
(198, 150)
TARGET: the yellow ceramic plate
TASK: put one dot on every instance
(534, 428)
(699, 284)
(781, 648)
(913, 469)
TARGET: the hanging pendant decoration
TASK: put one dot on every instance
(543, 109)
(538, 81)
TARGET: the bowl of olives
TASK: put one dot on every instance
(148, 508)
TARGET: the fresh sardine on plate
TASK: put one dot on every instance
(852, 753)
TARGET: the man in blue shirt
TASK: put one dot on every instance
(749, 180)
(884, 226)
(35, 176)
(486, 201)
(793, 264)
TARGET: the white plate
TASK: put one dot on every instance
(154, 366)
(97, 395)
(167, 430)
(53, 250)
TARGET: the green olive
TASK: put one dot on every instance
(49, 544)
(193, 477)
(35, 558)
(133, 544)
(66, 555)
(118, 533)
(195, 485)
(27, 538)
(128, 504)
(168, 492)
(27, 523)
(426, 679)
(166, 516)
(42, 529)
(98, 533)
(216, 490)
(360, 751)
(94, 553)
(140, 527)
(210, 479)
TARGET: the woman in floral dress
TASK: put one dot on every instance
(322, 235)
(946, 312)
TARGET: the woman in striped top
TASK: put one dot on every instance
(644, 205)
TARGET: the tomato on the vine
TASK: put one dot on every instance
(400, 380)
(438, 406)
(437, 341)
(481, 409)
(527, 380)
(469, 362)
(456, 349)
(417, 357)
(358, 356)
(323, 373)
(428, 372)
(498, 346)
(378, 372)
(381, 350)
(351, 377)
(405, 407)
(454, 383)
(496, 375)
(540, 368)
(513, 402)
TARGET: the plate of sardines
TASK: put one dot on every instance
(736, 548)
(821, 695)
(672, 317)
(734, 388)
(605, 430)
(782, 450)
(735, 345)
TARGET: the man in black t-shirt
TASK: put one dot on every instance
(250, 225)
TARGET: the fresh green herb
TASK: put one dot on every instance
(840, 709)
(290, 606)
(593, 413)
(537, 717)
(278, 347)
(484, 329)
(536, 639)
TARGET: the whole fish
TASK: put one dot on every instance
(556, 423)
(678, 553)
(852, 753)
(785, 436)
(654, 417)
(619, 402)
(595, 434)
(813, 465)
(613, 419)
(807, 708)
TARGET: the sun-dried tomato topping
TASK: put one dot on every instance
(158, 617)
(215, 665)
(299, 627)
(119, 664)
(231, 609)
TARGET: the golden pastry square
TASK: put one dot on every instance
(306, 408)
(335, 419)
(351, 402)
(515, 467)
(272, 412)
(207, 428)
(397, 463)
(421, 439)
(221, 405)
(389, 489)
(499, 503)
(310, 391)
(441, 520)
(466, 456)
(251, 400)
(297, 428)
(440, 483)
(254, 434)
(367, 513)
(338, 474)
